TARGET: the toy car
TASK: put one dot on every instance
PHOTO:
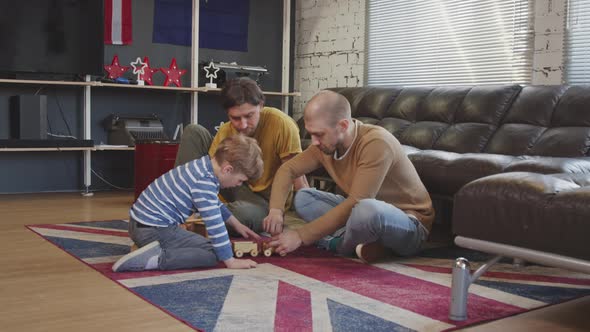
(253, 248)
(242, 247)
(267, 249)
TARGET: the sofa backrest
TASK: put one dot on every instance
(507, 119)
(546, 121)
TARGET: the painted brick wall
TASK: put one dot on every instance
(329, 47)
(549, 34)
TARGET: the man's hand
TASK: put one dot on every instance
(242, 229)
(286, 242)
(273, 223)
(233, 263)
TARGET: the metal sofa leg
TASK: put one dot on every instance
(462, 279)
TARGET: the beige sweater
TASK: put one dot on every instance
(375, 166)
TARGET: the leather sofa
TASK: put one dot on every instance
(509, 165)
(457, 135)
(512, 162)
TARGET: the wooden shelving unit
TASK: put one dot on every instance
(95, 148)
(45, 149)
(96, 84)
(88, 85)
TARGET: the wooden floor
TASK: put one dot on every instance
(43, 288)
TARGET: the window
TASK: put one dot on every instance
(577, 43)
(449, 42)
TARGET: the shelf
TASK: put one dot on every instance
(11, 81)
(269, 93)
(152, 87)
(93, 84)
(113, 148)
(95, 148)
(46, 149)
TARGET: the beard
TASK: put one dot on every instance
(327, 150)
(247, 132)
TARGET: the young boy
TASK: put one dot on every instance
(156, 216)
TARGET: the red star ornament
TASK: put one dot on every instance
(173, 74)
(115, 70)
(148, 72)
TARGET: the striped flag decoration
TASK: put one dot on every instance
(117, 22)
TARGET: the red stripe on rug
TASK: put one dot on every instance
(413, 294)
(83, 230)
(509, 275)
(293, 309)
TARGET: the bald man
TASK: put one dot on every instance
(387, 209)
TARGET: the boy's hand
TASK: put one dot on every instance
(242, 229)
(273, 223)
(233, 263)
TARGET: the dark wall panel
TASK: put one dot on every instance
(62, 171)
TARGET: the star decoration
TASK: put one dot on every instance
(173, 74)
(211, 71)
(138, 66)
(218, 127)
(114, 69)
(148, 72)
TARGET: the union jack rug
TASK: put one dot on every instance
(313, 290)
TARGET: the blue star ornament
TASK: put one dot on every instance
(211, 74)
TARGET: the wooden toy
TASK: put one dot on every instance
(267, 249)
(242, 247)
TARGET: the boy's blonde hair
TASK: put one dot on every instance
(243, 154)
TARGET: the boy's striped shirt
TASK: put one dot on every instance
(182, 191)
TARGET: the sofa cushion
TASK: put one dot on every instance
(407, 103)
(562, 142)
(540, 212)
(549, 165)
(444, 173)
(514, 139)
(433, 116)
(477, 118)
(572, 109)
(376, 102)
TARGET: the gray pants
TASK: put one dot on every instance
(370, 220)
(181, 249)
(247, 206)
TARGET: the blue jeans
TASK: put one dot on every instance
(181, 249)
(370, 220)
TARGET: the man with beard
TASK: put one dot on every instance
(276, 133)
(387, 209)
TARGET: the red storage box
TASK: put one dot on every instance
(151, 161)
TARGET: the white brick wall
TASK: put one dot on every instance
(329, 47)
(549, 34)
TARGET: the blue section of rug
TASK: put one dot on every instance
(198, 302)
(541, 293)
(345, 318)
(89, 249)
(110, 224)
